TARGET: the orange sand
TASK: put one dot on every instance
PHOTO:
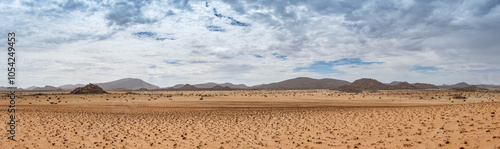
(255, 119)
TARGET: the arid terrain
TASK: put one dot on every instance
(436, 118)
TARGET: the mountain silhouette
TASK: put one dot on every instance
(303, 83)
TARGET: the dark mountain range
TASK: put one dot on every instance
(303, 83)
(188, 87)
(296, 83)
(404, 85)
(218, 87)
(458, 85)
(211, 85)
(31, 87)
(366, 84)
(3, 88)
(425, 86)
(488, 86)
(46, 88)
(398, 85)
(234, 86)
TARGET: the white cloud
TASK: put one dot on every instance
(80, 41)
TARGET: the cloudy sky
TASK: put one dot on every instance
(180, 41)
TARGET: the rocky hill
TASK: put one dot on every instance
(88, 89)
(404, 85)
(425, 86)
(369, 84)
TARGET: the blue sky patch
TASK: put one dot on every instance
(258, 56)
(152, 35)
(234, 22)
(145, 34)
(157, 38)
(173, 62)
(217, 14)
(321, 67)
(326, 67)
(279, 56)
(237, 23)
(424, 69)
(352, 61)
(214, 28)
(152, 66)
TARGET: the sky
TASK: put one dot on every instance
(252, 42)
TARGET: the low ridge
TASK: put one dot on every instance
(373, 85)
(304, 83)
(188, 87)
(404, 85)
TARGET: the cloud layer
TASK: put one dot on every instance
(181, 41)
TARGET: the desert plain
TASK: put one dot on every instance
(255, 119)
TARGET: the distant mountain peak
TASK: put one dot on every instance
(188, 87)
(303, 78)
(395, 82)
(462, 83)
(458, 85)
(127, 83)
(46, 88)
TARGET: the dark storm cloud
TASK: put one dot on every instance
(152, 35)
(234, 22)
(214, 28)
(486, 8)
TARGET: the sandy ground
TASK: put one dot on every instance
(255, 119)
